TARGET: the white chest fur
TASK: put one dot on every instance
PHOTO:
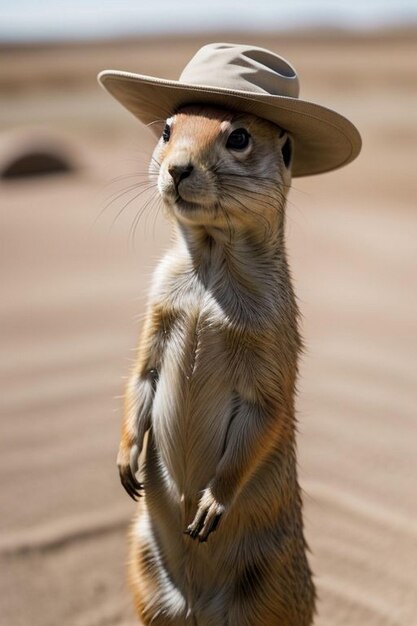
(193, 401)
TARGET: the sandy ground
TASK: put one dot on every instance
(74, 286)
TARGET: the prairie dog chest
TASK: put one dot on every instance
(196, 343)
(212, 334)
(194, 396)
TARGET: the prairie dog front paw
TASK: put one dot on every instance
(207, 518)
(127, 462)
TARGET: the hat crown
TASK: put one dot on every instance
(242, 68)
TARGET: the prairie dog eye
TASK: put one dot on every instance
(238, 139)
(166, 134)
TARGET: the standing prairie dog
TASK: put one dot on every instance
(218, 536)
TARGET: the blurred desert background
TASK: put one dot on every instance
(77, 253)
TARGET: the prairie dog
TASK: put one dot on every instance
(218, 535)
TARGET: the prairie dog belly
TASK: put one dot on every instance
(193, 401)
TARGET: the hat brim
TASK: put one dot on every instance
(323, 139)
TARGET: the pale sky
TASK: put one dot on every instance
(57, 19)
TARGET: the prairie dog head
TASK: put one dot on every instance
(223, 169)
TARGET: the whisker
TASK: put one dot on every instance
(136, 185)
(132, 231)
(265, 180)
(228, 220)
(111, 199)
(138, 174)
(156, 122)
(254, 195)
(124, 207)
(250, 211)
(156, 161)
(275, 189)
(150, 209)
(156, 213)
(260, 179)
(114, 197)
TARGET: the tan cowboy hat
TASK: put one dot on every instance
(249, 79)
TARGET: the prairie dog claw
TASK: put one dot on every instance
(206, 519)
(130, 483)
(127, 473)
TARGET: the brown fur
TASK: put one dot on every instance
(218, 538)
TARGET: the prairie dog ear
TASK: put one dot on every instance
(286, 148)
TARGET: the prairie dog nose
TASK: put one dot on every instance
(179, 172)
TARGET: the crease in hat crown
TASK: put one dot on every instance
(248, 79)
(241, 68)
